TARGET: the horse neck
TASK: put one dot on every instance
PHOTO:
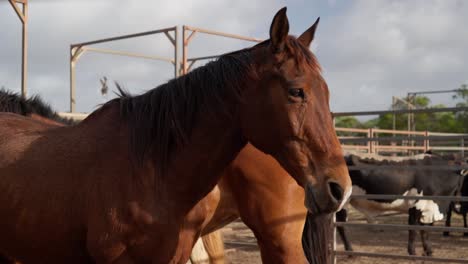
(196, 169)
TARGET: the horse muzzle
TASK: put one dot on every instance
(326, 198)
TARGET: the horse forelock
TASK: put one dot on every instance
(303, 55)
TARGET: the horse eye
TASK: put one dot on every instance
(296, 92)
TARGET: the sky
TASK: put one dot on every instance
(369, 50)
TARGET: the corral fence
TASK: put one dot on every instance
(181, 67)
(396, 143)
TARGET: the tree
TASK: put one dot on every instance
(436, 122)
(348, 122)
(462, 117)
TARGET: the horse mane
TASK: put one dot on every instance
(303, 55)
(162, 119)
(14, 103)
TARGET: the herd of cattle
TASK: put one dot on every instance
(408, 177)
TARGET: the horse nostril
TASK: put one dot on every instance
(336, 190)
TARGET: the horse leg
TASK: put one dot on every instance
(425, 241)
(448, 220)
(412, 220)
(279, 242)
(342, 216)
(280, 248)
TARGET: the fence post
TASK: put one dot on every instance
(426, 141)
(462, 145)
(333, 251)
(370, 144)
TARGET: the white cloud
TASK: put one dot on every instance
(377, 49)
(54, 25)
(370, 50)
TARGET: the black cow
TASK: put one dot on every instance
(402, 181)
(459, 208)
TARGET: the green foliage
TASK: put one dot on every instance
(348, 121)
(462, 117)
(436, 122)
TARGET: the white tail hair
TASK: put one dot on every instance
(199, 254)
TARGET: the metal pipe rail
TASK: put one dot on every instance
(240, 243)
(140, 34)
(397, 138)
(403, 111)
(78, 49)
(394, 256)
(408, 167)
(221, 34)
(75, 116)
(410, 197)
(128, 54)
(187, 62)
(403, 227)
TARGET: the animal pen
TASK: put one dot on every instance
(371, 142)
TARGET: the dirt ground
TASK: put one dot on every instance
(240, 248)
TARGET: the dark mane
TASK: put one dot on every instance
(162, 119)
(14, 103)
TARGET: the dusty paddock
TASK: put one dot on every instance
(239, 249)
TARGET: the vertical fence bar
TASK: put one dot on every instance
(370, 143)
(176, 53)
(72, 79)
(462, 145)
(333, 250)
(23, 17)
(184, 50)
(24, 67)
(426, 141)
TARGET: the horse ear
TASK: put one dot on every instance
(279, 30)
(308, 35)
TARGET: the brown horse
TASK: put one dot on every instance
(119, 186)
(256, 188)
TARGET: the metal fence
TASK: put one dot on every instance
(182, 66)
(372, 143)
